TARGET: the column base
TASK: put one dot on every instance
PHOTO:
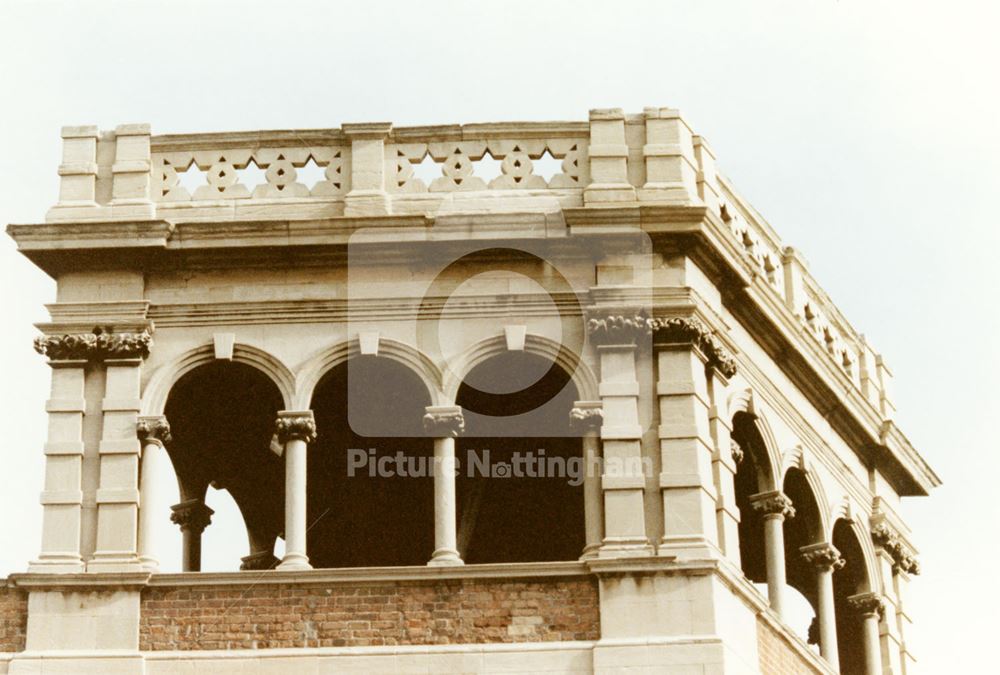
(114, 564)
(149, 563)
(445, 557)
(626, 548)
(366, 203)
(68, 564)
(688, 546)
(295, 561)
(590, 552)
(609, 194)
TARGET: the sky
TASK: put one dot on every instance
(865, 132)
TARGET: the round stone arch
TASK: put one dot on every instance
(580, 374)
(796, 459)
(158, 388)
(846, 513)
(313, 370)
(744, 402)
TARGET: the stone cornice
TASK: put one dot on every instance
(674, 330)
(823, 556)
(295, 426)
(100, 345)
(444, 421)
(774, 503)
(191, 515)
(153, 429)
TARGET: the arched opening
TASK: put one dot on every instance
(370, 485)
(517, 411)
(804, 529)
(849, 580)
(753, 477)
(222, 417)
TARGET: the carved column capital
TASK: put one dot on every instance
(867, 604)
(445, 421)
(295, 425)
(153, 429)
(586, 415)
(684, 330)
(824, 557)
(888, 538)
(192, 515)
(100, 345)
(618, 327)
(774, 503)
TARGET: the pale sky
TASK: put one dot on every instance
(865, 132)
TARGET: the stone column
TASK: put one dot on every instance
(295, 430)
(871, 609)
(367, 196)
(587, 416)
(686, 352)
(193, 516)
(153, 433)
(774, 507)
(62, 497)
(825, 559)
(444, 423)
(617, 336)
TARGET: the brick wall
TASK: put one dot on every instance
(378, 613)
(777, 656)
(13, 618)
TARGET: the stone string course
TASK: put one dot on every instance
(13, 619)
(395, 613)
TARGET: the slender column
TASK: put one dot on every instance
(63, 495)
(153, 433)
(774, 508)
(295, 430)
(588, 416)
(444, 423)
(623, 480)
(193, 516)
(871, 609)
(825, 558)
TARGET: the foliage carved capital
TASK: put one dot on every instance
(100, 345)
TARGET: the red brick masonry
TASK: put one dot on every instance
(547, 609)
(13, 618)
(777, 657)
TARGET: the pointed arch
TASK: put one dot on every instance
(157, 389)
(580, 374)
(313, 370)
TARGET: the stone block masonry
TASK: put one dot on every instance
(392, 613)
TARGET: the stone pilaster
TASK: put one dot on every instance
(727, 514)
(871, 608)
(618, 336)
(587, 418)
(154, 507)
(825, 559)
(671, 168)
(295, 430)
(62, 497)
(685, 353)
(367, 196)
(774, 507)
(896, 562)
(608, 153)
(192, 516)
(444, 424)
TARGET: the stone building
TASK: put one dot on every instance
(515, 397)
